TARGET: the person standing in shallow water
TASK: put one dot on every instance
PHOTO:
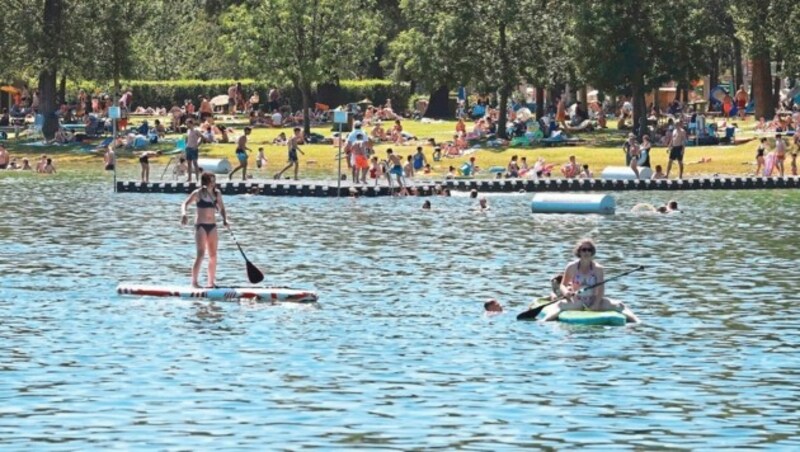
(208, 199)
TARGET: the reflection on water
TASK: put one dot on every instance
(398, 353)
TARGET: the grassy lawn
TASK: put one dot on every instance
(601, 149)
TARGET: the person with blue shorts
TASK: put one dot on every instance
(241, 154)
(395, 167)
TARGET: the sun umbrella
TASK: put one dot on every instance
(9, 89)
(218, 101)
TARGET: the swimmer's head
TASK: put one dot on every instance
(493, 306)
(672, 205)
(473, 193)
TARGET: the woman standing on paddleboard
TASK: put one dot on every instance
(209, 200)
(585, 272)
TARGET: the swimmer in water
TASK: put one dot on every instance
(493, 307)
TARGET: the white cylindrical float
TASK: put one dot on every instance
(625, 173)
(572, 203)
(216, 166)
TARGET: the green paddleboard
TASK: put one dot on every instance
(610, 318)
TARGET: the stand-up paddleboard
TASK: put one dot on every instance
(609, 318)
(279, 294)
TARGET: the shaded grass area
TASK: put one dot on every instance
(601, 148)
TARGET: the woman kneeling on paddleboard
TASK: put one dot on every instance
(585, 272)
(208, 199)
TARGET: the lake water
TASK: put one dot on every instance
(398, 354)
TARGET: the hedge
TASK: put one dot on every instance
(165, 93)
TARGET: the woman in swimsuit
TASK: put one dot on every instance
(762, 148)
(585, 272)
(208, 199)
(144, 160)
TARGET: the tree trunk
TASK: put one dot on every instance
(762, 87)
(639, 104)
(713, 75)
(439, 104)
(737, 61)
(62, 89)
(539, 102)
(374, 68)
(305, 91)
(503, 119)
(53, 12)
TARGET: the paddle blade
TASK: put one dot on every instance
(530, 314)
(254, 274)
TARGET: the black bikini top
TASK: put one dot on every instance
(203, 204)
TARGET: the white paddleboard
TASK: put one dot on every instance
(222, 293)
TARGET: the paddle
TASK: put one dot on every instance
(532, 313)
(253, 273)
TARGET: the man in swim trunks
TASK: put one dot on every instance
(358, 159)
(192, 151)
(741, 101)
(292, 145)
(241, 154)
(676, 146)
(395, 167)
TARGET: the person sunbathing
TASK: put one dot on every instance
(378, 133)
(762, 125)
(397, 132)
(280, 139)
(461, 127)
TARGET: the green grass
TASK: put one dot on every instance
(602, 148)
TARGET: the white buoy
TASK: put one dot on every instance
(216, 166)
(572, 203)
(625, 173)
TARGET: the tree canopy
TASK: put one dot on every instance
(617, 46)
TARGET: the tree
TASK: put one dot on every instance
(113, 41)
(504, 51)
(635, 46)
(302, 41)
(771, 31)
(36, 48)
(434, 50)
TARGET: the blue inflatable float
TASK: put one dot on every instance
(573, 203)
